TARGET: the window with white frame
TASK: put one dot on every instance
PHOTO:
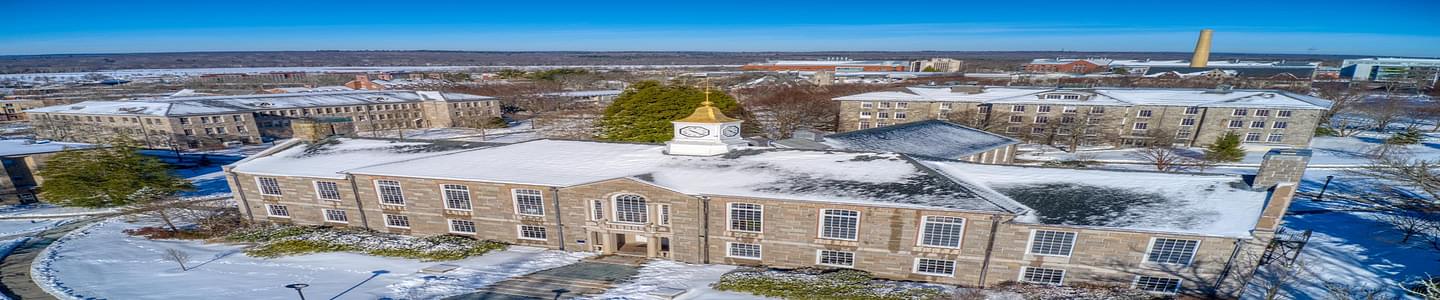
(1283, 114)
(902, 104)
(528, 202)
(462, 226)
(1043, 109)
(1067, 120)
(1257, 124)
(1182, 134)
(934, 267)
(1069, 109)
(335, 215)
(268, 186)
(984, 109)
(456, 196)
(327, 190)
(945, 106)
(597, 210)
(1012, 129)
(664, 214)
(839, 224)
(864, 125)
(938, 231)
(899, 115)
(1192, 110)
(1097, 110)
(1056, 243)
(1275, 137)
(528, 232)
(1052, 96)
(630, 208)
(1252, 137)
(882, 115)
(742, 250)
(390, 192)
(1238, 112)
(1156, 284)
(276, 210)
(1237, 123)
(1042, 275)
(1017, 108)
(867, 104)
(1042, 119)
(1279, 125)
(397, 221)
(866, 115)
(884, 104)
(882, 124)
(1171, 251)
(746, 217)
(1262, 113)
(1017, 119)
(835, 258)
(1144, 113)
(1037, 130)
(1072, 97)
(1142, 126)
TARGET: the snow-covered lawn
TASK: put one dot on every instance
(45, 211)
(1328, 151)
(670, 274)
(100, 261)
(25, 226)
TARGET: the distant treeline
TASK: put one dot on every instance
(100, 62)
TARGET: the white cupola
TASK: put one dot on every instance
(706, 132)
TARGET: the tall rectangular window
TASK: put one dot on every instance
(528, 202)
(746, 217)
(268, 186)
(335, 215)
(1238, 112)
(835, 258)
(528, 232)
(1192, 110)
(597, 210)
(1017, 108)
(1157, 284)
(1144, 113)
(1275, 137)
(327, 190)
(456, 196)
(1043, 109)
(1252, 137)
(630, 208)
(1279, 125)
(742, 250)
(1042, 275)
(1236, 123)
(390, 192)
(276, 210)
(937, 231)
(664, 214)
(1097, 110)
(1262, 113)
(1187, 122)
(934, 267)
(1171, 251)
(839, 224)
(462, 226)
(1142, 126)
(397, 221)
(1057, 243)
(1257, 124)
(1283, 114)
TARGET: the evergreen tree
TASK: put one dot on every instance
(643, 112)
(930, 69)
(1409, 137)
(106, 177)
(1225, 149)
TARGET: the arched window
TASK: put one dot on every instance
(630, 208)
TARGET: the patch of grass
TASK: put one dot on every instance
(295, 247)
(278, 241)
(822, 284)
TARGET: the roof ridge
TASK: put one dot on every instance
(976, 187)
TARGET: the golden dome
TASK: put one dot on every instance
(707, 113)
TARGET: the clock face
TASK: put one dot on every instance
(731, 131)
(694, 131)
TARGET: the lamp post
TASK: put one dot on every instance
(297, 287)
(1324, 187)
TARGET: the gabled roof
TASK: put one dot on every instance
(931, 138)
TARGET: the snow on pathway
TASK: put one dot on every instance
(100, 261)
(663, 273)
(25, 226)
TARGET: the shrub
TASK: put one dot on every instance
(1225, 149)
(1325, 131)
(294, 247)
(158, 233)
(1080, 291)
(823, 284)
(277, 241)
(1409, 137)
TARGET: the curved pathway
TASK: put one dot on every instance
(15, 281)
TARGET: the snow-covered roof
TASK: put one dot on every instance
(1103, 96)
(932, 138)
(829, 176)
(1218, 205)
(27, 147)
(180, 106)
(586, 93)
(834, 63)
(1215, 64)
(328, 159)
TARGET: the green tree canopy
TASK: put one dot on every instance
(106, 177)
(1225, 149)
(551, 74)
(643, 112)
(930, 69)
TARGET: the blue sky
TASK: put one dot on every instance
(1375, 27)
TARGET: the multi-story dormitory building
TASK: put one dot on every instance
(1193, 117)
(705, 198)
(211, 121)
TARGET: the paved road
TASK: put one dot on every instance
(15, 279)
(568, 282)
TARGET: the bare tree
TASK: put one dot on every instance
(1384, 111)
(179, 257)
(1163, 157)
(1410, 222)
(1343, 98)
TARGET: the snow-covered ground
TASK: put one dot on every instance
(100, 261)
(677, 275)
(46, 211)
(1328, 151)
(518, 132)
(26, 226)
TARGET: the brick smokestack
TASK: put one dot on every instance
(1202, 50)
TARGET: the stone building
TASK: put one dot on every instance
(1189, 117)
(14, 110)
(932, 138)
(705, 197)
(22, 160)
(215, 121)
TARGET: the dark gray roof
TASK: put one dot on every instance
(932, 138)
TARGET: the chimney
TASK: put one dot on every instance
(1281, 166)
(1202, 50)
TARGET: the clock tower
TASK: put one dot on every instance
(706, 132)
